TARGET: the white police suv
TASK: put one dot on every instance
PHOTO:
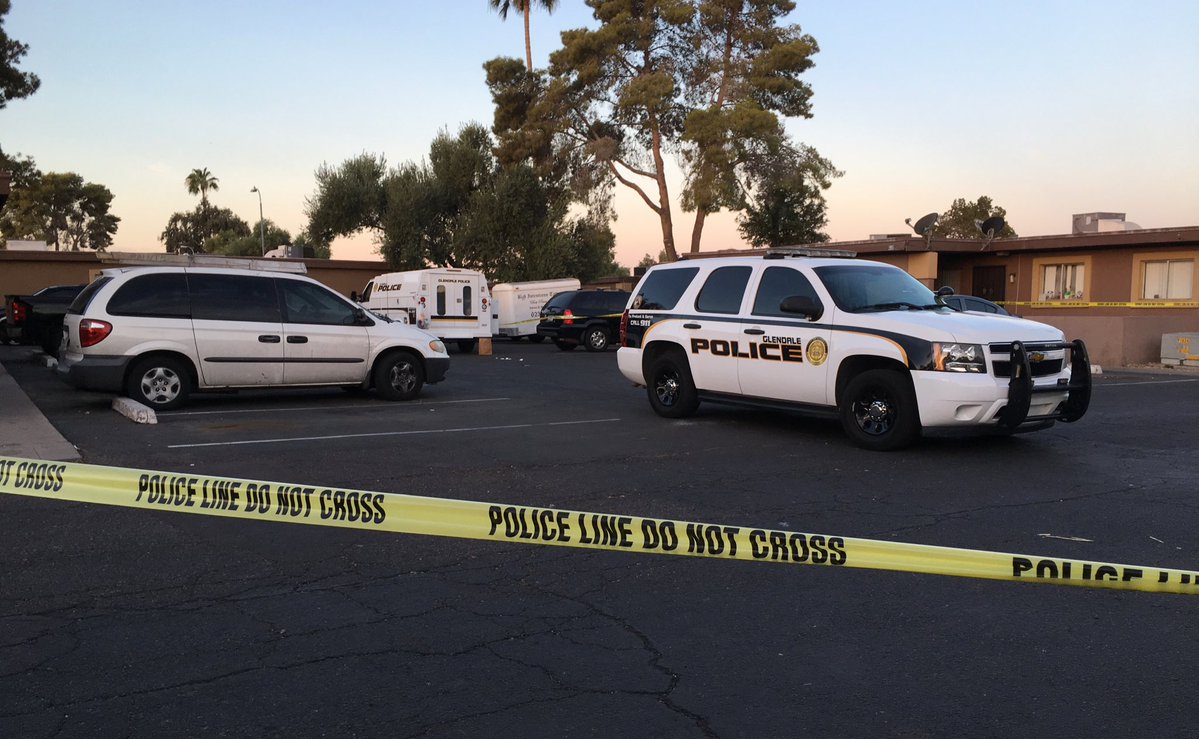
(840, 337)
(158, 333)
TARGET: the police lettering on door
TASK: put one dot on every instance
(771, 348)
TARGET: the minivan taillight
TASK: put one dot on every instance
(92, 332)
(566, 317)
(624, 328)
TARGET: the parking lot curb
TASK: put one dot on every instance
(24, 430)
(134, 411)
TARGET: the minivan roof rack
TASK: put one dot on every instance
(203, 260)
(781, 252)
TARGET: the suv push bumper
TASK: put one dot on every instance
(1021, 388)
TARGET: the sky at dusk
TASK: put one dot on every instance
(1050, 107)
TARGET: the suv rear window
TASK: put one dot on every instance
(661, 289)
(84, 298)
(561, 301)
(162, 294)
(723, 290)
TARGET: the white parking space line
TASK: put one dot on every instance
(465, 429)
(363, 406)
(1142, 382)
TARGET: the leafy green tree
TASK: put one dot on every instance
(459, 208)
(784, 194)
(190, 233)
(61, 209)
(503, 6)
(960, 221)
(707, 79)
(14, 84)
(231, 243)
(199, 182)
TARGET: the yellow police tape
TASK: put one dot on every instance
(409, 514)
(1083, 304)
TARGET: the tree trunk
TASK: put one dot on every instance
(663, 195)
(528, 42)
(698, 229)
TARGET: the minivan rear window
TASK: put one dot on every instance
(84, 298)
(218, 297)
(161, 294)
(661, 289)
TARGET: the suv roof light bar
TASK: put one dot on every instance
(780, 252)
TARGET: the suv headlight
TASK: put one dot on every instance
(437, 347)
(960, 357)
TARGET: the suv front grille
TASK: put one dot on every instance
(1001, 364)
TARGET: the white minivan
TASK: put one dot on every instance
(158, 333)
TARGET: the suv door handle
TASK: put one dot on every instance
(268, 339)
(297, 339)
(692, 325)
(754, 331)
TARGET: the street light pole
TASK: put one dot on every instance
(261, 223)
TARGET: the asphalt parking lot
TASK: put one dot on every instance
(129, 622)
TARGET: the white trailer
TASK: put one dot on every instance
(452, 304)
(516, 306)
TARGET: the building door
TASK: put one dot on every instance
(988, 283)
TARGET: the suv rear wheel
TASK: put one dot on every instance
(595, 339)
(671, 390)
(878, 410)
(161, 382)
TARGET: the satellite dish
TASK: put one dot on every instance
(992, 227)
(925, 224)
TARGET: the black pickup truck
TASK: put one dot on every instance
(37, 319)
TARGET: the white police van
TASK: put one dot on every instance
(864, 341)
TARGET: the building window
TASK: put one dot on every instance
(1168, 279)
(1062, 281)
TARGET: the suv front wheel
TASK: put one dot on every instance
(878, 410)
(671, 390)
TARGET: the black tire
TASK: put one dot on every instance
(52, 338)
(671, 390)
(879, 411)
(466, 346)
(565, 346)
(160, 382)
(399, 376)
(595, 339)
(536, 338)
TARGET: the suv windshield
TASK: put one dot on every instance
(860, 289)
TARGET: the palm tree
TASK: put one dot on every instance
(503, 6)
(199, 182)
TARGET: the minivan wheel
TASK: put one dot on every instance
(879, 412)
(162, 383)
(595, 339)
(399, 377)
(671, 390)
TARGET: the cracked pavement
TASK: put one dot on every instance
(120, 622)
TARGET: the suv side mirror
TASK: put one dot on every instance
(802, 305)
(944, 291)
(354, 295)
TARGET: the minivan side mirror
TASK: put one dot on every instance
(802, 305)
(361, 318)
